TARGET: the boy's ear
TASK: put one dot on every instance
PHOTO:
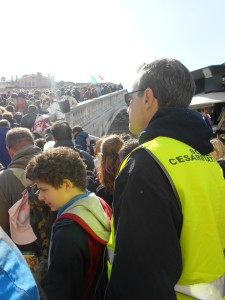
(68, 184)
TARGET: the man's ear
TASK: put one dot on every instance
(151, 104)
(149, 96)
(10, 151)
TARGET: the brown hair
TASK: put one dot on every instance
(18, 137)
(109, 161)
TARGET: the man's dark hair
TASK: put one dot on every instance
(77, 128)
(10, 108)
(8, 116)
(40, 143)
(4, 123)
(170, 81)
(127, 147)
(61, 130)
(17, 117)
(14, 95)
(68, 93)
(32, 109)
(18, 137)
(57, 164)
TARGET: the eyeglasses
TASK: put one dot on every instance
(128, 98)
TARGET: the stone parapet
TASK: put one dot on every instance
(97, 115)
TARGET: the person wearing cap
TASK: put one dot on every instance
(21, 148)
(80, 231)
(168, 238)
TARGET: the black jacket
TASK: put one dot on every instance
(147, 219)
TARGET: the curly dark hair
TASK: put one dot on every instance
(55, 165)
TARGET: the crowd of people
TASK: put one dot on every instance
(123, 217)
(22, 98)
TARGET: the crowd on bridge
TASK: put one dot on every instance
(81, 92)
(136, 216)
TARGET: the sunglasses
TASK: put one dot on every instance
(128, 97)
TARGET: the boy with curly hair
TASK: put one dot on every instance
(81, 229)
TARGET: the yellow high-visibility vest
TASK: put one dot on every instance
(202, 237)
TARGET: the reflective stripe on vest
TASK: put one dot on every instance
(110, 248)
(205, 291)
(110, 255)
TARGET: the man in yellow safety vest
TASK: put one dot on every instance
(168, 238)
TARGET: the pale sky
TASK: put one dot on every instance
(74, 40)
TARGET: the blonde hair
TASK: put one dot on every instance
(218, 147)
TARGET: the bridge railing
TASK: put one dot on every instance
(92, 114)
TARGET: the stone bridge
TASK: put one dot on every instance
(107, 114)
(96, 116)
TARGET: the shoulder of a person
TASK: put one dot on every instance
(139, 157)
(6, 173)
(68, 233)
(67, 227)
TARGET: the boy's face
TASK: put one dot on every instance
(54, 198)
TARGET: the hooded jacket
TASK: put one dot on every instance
(81, 140)
(10, 186)
(147, 219)
(79, 237)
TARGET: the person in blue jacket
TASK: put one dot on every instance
(16, 279)
(81, 138)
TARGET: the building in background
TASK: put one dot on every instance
(28, 82)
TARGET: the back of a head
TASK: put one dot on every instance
(218, 147)
(18, 137)
(21, 95)
(61, 130)
(68, 93)
(40, 143)
(2, 109)
(10, 108)
(111, 145)
(170, 81)
(109, 161)
(14, 96)
(127, 147)
(8, 116)
(32, 109)
(4, 123)
(17, 117)
(77, 128)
